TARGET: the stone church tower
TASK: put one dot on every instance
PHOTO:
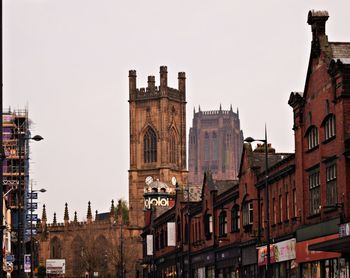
(157, 138)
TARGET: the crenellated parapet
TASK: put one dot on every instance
(152, 91)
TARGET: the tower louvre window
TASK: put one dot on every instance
(172, 147)
(150, 146)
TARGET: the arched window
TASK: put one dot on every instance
(172, 147)
(55, 248)
(206, 147)
(235, 218)
(78, 253)
(222, 224)
(215, 147)
(150, 146)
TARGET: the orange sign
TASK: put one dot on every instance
(305, 255)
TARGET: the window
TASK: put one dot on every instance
(150, 146)
(329, 127)
(215, 147)
(235, 218)
(314, 189)
(331, 184)
(248, 213)
(206, 147)
(222, 223)
(208, 225)
(274, 212)
(295, 202)
(262, 215)
(287, 206)
(280, 205)
(178, 229)
(312, 137)
(172, 147)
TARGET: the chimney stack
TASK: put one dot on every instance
(317, 20)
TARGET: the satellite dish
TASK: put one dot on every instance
(173, 181)
(148, 180)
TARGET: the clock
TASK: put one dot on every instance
(173, 181)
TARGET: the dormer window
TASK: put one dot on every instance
(312, 137)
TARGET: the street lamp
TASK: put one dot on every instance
(21, 139)
(42, 190)
(268, 263)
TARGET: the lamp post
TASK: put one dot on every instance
(20, 201)
(43, 190)
(268, 262)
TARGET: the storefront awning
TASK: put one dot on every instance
(341, 245)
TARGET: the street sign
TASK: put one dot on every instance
(10, 258)
(27, 263)
(34, 232)
(32, 195)
(34, 217)
(55, 266)
(32, 205)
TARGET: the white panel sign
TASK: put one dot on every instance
(55, 266)
(149, 241)
(171, 234)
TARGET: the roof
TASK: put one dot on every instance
(224, 185)
(340, 50)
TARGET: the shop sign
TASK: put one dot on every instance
(171, 234)
(305, 255)
(279, 252)
(344, 229)
(149, 242)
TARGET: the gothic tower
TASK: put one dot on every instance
(157, 137)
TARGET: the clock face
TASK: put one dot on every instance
(148, 180)
(173, 181)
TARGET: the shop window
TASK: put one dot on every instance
(331, 185)
(314, 190)
(222, 224)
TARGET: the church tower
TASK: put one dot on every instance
(157, 138)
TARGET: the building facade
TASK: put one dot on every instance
(300, 227)
(102, 245)
(215, 144)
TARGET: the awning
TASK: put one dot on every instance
(341, 245)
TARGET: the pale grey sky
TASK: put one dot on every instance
(68, 62)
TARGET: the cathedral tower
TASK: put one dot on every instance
(157, 137)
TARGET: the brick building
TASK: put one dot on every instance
(215, 144)
(226, 233)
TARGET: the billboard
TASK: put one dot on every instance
(149, 241)
(55, 266)
(171, 234)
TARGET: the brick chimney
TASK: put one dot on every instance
(317, 20)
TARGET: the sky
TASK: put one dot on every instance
(67, 61)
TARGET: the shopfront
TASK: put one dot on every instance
(341, 245)
(227, 263)
(315, 264)
(203, 265)
(282, 259)
(249, 264)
